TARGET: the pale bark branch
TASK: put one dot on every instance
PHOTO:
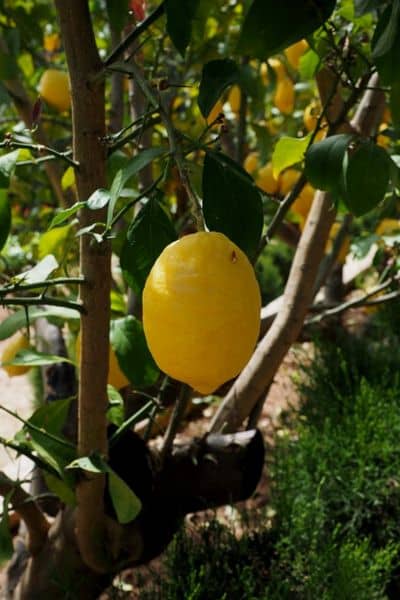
(300, 288)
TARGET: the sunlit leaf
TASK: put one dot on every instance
(288, 151)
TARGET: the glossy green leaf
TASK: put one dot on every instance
(125, 502)
(308, 65)
(17, 320)
(65, 214)
(116, 410)
(99, 199)
(324, 160)
(52, 416)
(6, 543)
(231, 202)
(366, 178)
(148, 234)
(138, 162)
(5, 218)
(386, 44)
(33, 358)
(7, 166)
(54, 242)
(287, 152)
(39, 272)
(92, 464)
(134, 358)
(217, 75)
(180, 15)
(271, 26)
(118, 13)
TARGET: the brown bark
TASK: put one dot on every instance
(88, 118)
(300, 289)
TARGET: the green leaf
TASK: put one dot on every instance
(388, 31)
(54, 242)
(68, 178)
(33, 358)
(64, 215)
(52, 416)
(17, 320)
(147, 236)
(99, 199)
(39, 272)
(138, 162)
(386, 44)
(8, 66)
(92, 464)
(271, 26)
(288, 151)
(231, 202)
(61, 488)
(6, 543)
(217, 75)
(366, 177)
(134, 358)
(324, 160)
(116, 410)
(5, 218)
(118, 12)
(7, 166)
(180, 15)
(125, 502)
(308, 65)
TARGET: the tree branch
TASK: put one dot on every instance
(29, 511)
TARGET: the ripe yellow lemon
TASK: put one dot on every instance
(16, 343)
(234, 98)
(201, 310)
(387, 226)
(284, 96)
(216, 110)
(287, 180)
(278, 67)
(294, 53)
(54, 89)
(250, 163)
(266, 181)
(116, 377)
(302, 204)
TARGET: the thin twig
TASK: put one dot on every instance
(21, 287)
(175, 420)
(40, 148)
(38, 300)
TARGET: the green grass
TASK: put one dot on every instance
(335, 492)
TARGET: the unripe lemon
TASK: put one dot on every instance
(16, 343)
(216, 110)
(284, 96)
(266, 181)
(295, 52)
(250, 163)
(54, 89)
(234, 98)
(345, 247)
(201, 310)
(116, 377)
(303, 202)
(287, 180)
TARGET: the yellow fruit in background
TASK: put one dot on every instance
(303, 202)
(284, 96)
(264, 74)
(234, 98)
(17, 342)
(383, 140)
(345, 247)
(287, 180)
(51, 42)
(295, 52)
(250, 163)
(387, 226)
(54, 89)
(201, 310)
(216, 110)
(116, 377)
(278, 67)
(311, 114)
(266, 181)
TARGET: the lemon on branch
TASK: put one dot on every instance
(54, 89)
(201, 310)
(17, 342)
